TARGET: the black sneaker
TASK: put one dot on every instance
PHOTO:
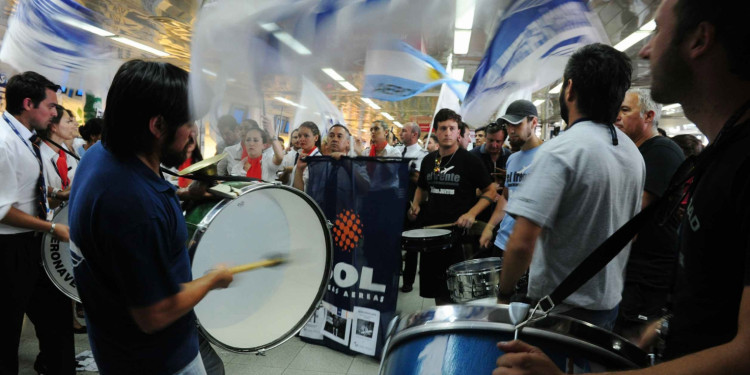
(407, 288)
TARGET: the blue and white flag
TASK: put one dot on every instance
(532, 44)
(395, 71)
(316, 107)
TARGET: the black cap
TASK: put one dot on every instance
(519, 110)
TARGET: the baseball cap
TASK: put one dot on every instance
(519, 110)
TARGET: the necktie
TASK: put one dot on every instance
(41, 196)
(403, 153)
(62, 168)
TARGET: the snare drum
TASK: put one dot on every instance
(56, 259)
(461, 339)
(427, 239)
(474, 279)
(265, 307)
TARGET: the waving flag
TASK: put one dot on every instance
(316, 107)
(529, 51)
(395, 71)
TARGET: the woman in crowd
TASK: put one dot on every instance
(193, 156)
(379, 145)
(308, 138)
(237, 152)
(91, 132)
(258, 164)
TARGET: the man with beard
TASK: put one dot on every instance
(587, 180)
(699, 58)
(31, 102)
(128, 229)
(492, 153)
(521, 121)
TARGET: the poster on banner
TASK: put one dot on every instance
(313, 329)
(366, 325)
(358, 197)
(337, 324)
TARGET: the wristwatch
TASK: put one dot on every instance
(52, 228)
(54, 192)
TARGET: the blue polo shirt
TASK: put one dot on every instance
(127, 224)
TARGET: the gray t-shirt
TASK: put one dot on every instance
(581, 189)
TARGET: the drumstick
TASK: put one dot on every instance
(258, 264)
(440, 226)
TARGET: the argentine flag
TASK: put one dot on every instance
(396, 71)
(533, 42)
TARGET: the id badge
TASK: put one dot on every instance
(50, 215)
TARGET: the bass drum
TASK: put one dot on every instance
(56, 259)
(265, 307)
(461, 339)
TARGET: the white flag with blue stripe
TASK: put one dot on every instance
(532, 44)
(396, 71)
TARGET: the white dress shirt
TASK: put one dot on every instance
(268, 172)
(49, 158)
(234, 156)
(413, 151)
(290, 160)
(19, 171)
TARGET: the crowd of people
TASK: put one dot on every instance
(543, 205)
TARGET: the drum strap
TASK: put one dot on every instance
(661, 209)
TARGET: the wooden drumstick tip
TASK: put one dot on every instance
(256, 265)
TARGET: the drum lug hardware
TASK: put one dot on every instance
(329, 224)
(617, 345)
(261, 353)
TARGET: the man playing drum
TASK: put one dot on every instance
(128, 230)
(698, 56)
(450, 177)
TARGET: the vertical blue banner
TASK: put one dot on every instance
(363, 199)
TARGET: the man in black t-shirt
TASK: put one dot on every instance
(450, 177)
(698, 57)
(653, 256)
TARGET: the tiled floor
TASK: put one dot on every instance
(294, 357)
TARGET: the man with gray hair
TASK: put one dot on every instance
(410, 135)
(650, 273)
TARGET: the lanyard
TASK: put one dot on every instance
(21, 137)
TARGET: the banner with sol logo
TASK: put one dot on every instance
(364, 200)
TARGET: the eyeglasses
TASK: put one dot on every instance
(495, 126)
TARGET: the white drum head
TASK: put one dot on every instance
(425, 233)
(56, 258)
(262, 308)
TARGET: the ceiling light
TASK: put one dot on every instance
(538, 101)
(386, 115)
(636, 36)
(287, 101)
(465, 14)
(292, 43)
(461, 39)
(85, 26)
(671, 107)
(398, 124)
(370, 103)
(458, 74)
(332, 73)
(347, 85)
(209, 72)
(270, 27)
(556, 89)
(140, 46)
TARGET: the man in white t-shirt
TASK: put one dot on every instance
(584, 185)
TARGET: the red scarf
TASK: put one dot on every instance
(311, 151)
(255, 170)
(62, 168)
(182, 181)
(377, 147)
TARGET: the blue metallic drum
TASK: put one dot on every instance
(461, 339)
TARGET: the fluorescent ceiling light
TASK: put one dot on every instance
(287, 101)
(209, 72)
(670, 107)
(332, 73)
(386, 115)
(538, 101)
(465, 14)
(292, 43)
(398, 124)
(458, 74)
(370, 103)
(140, 46)
(461, 39)
(85, 26)
(556, 89)
(636, 36)
(347, 85)
(270, 27)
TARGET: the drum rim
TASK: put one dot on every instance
(201, 229)
(447, 232)
(47, 237)
(407, 327)
(475, 261)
